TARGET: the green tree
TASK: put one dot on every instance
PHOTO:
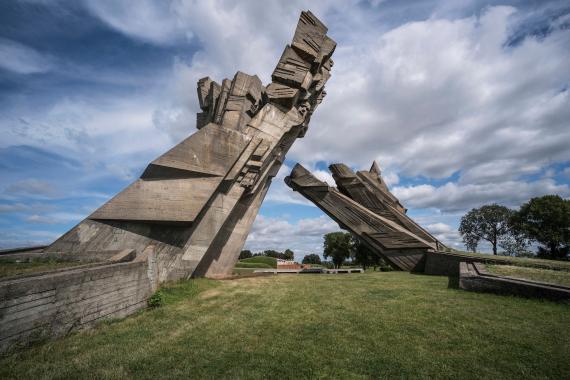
(245, 254)
(489, 222)
(312, 258)
(546, 220)
(288, 255)
(337, 246)
(273, 253)
(363, 255)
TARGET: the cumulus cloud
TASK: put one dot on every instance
(455, 197)
(446, 234)
(302, 237)
(440, 96)
(480, 94)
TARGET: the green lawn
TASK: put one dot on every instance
(372, 325)
(269, 262)
(9, 268)
(552, 276)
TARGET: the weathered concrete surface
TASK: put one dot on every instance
(196, 203)
(389, 233)
(190, 211)
(369, 189)
(50, 304)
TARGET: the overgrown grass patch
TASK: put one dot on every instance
(10, 267)
(372, 325)
(534, 274)
(521, 261)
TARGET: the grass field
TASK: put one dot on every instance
(361, 326)
(521, 261)
(551, 276)
(9, 268)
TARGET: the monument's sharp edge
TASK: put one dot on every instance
(196, 203)
(382, 232)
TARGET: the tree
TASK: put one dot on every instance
(363, 255)
(489, 222)
(245, 254)
(312, 258)
(288, 255)
(546, 220)
(273, 253)
(337, 246)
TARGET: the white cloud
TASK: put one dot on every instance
(54, 218)
(439, 96)
(303, 237)
(431, 98)
(147, 20)
(446, 234)
(33, 187)
(9, 208)
(23, 59)
(40, 219)
(454, 197)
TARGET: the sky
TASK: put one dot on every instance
(462, 103)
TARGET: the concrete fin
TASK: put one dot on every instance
(375, 169)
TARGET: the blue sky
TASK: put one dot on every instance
(462, 103)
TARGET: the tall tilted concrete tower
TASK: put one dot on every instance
(196, 203)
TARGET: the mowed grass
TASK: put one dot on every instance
(534, 274)
(361, 326)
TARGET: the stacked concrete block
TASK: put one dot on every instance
(362, 204)
(51, 304)
(196, 203)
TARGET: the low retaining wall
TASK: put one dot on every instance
(474, 277)
(447, 263)
(52, 304)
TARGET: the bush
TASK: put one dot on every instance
(241, 264)
(313, 258)
(271, 261)
(156, 300)
(245, 254)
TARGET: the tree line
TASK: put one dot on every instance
(542, 220)
(286, 255)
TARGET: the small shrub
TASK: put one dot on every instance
(156, 300)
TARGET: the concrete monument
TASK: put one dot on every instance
(196, 203)
(363, 205)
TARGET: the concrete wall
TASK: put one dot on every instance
(442, 264)
(51, 304)
(447, 263)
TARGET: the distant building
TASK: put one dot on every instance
(290, 264)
